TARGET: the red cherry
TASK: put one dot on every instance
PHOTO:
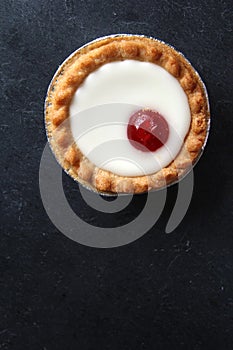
(147, 130)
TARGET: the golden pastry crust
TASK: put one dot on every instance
(87, 59)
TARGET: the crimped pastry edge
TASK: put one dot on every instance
(62, 89)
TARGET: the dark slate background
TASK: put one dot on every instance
(164, 291)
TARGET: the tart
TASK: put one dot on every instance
(127, 114)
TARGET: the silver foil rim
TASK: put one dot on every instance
(58, 72)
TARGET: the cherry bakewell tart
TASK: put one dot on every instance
(127, 114)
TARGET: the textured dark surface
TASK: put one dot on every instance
(161, 292)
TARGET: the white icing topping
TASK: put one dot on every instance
(103, 104)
